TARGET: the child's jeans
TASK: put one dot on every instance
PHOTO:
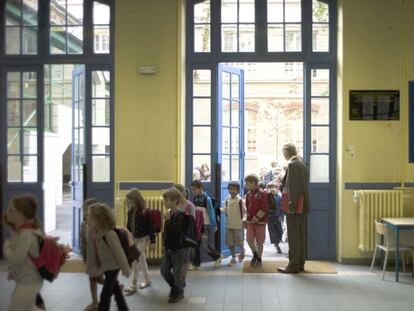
(206, 242)
(141, 264)
(172, 270)
(111, 286)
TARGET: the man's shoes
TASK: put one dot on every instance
(279, 250)
(258, 263)
(288, 270)
(302, 269)
(175, 298)
(254, 260)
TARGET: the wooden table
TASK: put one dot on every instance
(404, 223)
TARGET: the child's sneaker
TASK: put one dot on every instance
(145, 284)
(241, 256)
(232, 262)
(130, 290)
(193, 268)
(217, 263)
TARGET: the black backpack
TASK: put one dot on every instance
(216, 208)
(131, 251)
(190, 235)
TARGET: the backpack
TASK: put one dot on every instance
(52, 255)
(216, 208)
(199, 225)
(190, 235)
(127, 243)
(156, 219)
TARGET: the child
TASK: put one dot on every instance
(25, 229)
(140, 224)
(175, 252)
(275, 216)
(203, 202)
(235, 212)
(95, 275)
(104, 252)
(186, 205)
(256, 219)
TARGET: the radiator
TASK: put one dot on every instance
(375, 204)
(153, 202)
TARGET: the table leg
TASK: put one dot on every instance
(397, 255)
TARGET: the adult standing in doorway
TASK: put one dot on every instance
(296, 185)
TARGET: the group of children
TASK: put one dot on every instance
(189, 227)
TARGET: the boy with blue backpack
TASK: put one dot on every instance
(275, 216)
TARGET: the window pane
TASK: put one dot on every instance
(30, 141)
(320, 110)
(320, 37)
(201, 167)
(75, 12)
(13, 12)
(101, 168)
(29, 40)
(57, 40)
(275, 38)
(225, 168)
(12, 40)
(235, 140)
(235, 115)
(235, 167)
(29, 85)
(225, 140)
(101, 39)
(30, 8)
(100, 140)
(275, 11)
(13, 113)
(320, 139)
(101, 14)
(100, 112)
(246, 11)
(201, 111)
(201, 38)
(319, 168)
(30, 169)
(320, 12)
(202, 12)
(75, 40)
(234, 86)
(225, 83)
(14, 169)
(13, 85)
(201, 83)
(58, 12)
(293, 37)
(29, 113)
(201, 139)
(13, 141)
(228, 11)
(293, 11)
(100, 84)
(225, 112)
(229, 38)
(320, 82)
(246, 39)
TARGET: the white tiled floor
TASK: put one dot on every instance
(353, 288)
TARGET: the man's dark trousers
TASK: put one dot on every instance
(297, 232)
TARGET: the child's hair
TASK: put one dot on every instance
(85, 207)
(262, 185)
(103, 216)
(252, 178)
(187, 193)
(173, 195)
(8, 223)
(271, 185)
(234, 184)
(136, 196)
(27, 205)
(197, 184)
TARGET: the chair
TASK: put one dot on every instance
(388, 235)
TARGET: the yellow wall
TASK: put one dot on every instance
(376, 50)
(147, 107)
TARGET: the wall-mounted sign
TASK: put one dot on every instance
(374, 105)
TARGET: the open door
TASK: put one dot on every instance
(230, 120)
(22, 134)
(78, 170)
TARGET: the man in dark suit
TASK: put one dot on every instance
(296, 184)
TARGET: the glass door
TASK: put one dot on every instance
(22, 133)
(230, 143)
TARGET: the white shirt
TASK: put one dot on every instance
(232, 211)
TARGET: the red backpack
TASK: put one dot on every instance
(199, 224)
(52, 255)
(156, 218)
